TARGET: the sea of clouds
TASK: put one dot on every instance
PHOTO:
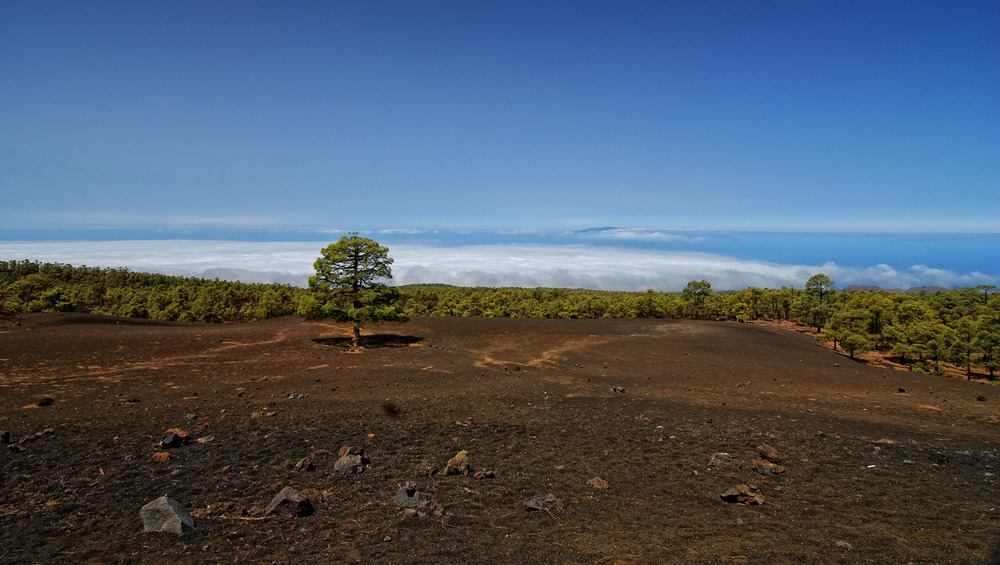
(507, 264)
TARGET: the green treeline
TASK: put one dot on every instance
(28, 286)
(924, 331)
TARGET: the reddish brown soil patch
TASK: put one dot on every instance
(870, 475)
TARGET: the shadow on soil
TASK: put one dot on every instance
(372, 341)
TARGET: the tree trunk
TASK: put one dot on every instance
(356, 340)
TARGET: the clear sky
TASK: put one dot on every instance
(818, 115)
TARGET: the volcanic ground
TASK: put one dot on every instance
(879, 465)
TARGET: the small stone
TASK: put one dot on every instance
(743, 494)
(349, 450)
(5, 437)
(206, 439)
(459, 464)
(304, 464)
(721, 461)
(171, 441)
(45, 401)
(598, 483)
(843, 544)
(548, 502)
(409, 497)
(349, 465)
(425, 469)
(480, 475)
(48, 431)
(161, 457)
(289, 502)
(762, 466)
(165, 515)
(769, 453)
(981, 398)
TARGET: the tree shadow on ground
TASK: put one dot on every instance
(372, 341)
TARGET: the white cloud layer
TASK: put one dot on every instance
(522, 265)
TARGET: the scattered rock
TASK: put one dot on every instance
(349, 450)
(721, 461)
(5, 437)
(161, 457)
(547, 503)
(769, 453)
(939, 458)
(181, 434)
(841, 544)
(45, 401)
(618, 389)
(425, 468)
(165, 515)
(304, 464)
(459, 464)
(480, 475)
(762, 466)
(598, 483)
(206, 439)
(49, 431)
(289, 502)
(981, 398)
(467, 423)
(349, 465)
(171, 441)
(743, 494)
(409, 497)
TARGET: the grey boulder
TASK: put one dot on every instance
(165, 515)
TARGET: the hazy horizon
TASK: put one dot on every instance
(598, 258)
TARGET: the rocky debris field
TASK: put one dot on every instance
(449, 440)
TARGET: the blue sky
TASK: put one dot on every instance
(840, 116)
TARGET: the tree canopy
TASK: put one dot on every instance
(920, 330)
(348, 285)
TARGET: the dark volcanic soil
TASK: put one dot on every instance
(882, 466)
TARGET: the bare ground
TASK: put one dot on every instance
(881, 466)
